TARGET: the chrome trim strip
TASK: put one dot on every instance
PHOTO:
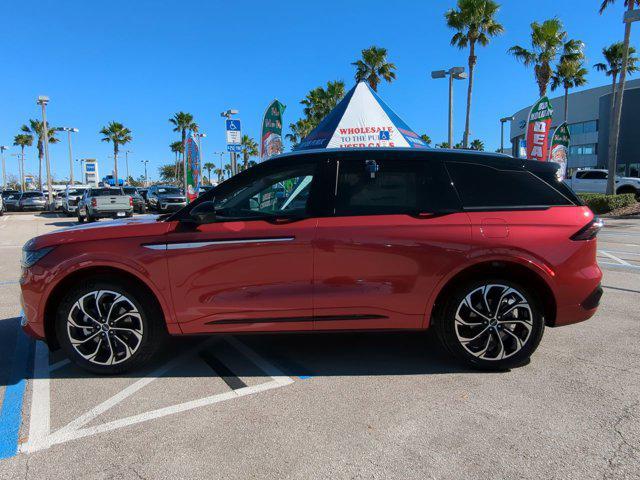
(187, 245)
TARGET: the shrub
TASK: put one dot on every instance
(600, 203)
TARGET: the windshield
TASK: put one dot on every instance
(130, 190)
(76, 191)
(9, 193)
(32, 194)
(168, 191)
(105, 192)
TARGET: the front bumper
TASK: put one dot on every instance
(165, 207)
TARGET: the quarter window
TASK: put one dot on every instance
(482, 186)
(392, 186)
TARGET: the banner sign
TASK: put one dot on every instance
(560, 148)
(538, 128)
(271, 137)
(192, 160)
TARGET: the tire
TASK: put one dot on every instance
(90, 219)
(487, 339)
(124, 343)
(143, 209)
(80, 218)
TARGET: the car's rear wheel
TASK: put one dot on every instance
(491, 324)
(109, 327)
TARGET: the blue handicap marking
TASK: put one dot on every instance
(385, 135)
(233, 125)
(11, 413)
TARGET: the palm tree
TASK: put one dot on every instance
(249, 149)
(548, 40)
(443, 145)
(228, 170)
(36, 128)
(426, 138)
(374, 67)
(117, 134)
(614, 131)
(22, 140)
(220, 173)
(613, 55)
(177, 148)
(208, 167)
(475, 22)
(477, 144)
(183, 121)
(568, 74)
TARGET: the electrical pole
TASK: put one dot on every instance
(146, 177)
(70, 130)
(126, 160)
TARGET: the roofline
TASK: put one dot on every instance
(438, 151)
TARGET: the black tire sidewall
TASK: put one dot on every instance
(445, 326)
(153, 331)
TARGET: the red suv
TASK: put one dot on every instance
(485, 249)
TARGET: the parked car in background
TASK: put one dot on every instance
(72, 196)
(593, 180)
(484, 249)
(143, 194)
(165, 198)
(110, 181)
(58, 198)
(1, 206)
(10, 199)
(139, 204)
(104, 202)
(32, 201)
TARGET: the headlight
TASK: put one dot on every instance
(30, 257)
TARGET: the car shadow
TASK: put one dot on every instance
(64, 223)
(293, 354)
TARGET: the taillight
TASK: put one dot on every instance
(589, 231)
(94, 202)
(131, 201)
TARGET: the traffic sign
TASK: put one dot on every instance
(234, 132)
(234, 148)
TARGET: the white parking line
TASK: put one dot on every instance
(75, 429)
(613, 257)
(39, 419)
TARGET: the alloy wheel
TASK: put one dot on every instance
(105, 327)
(493, 322)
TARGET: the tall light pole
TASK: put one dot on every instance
(457, 73)
(502, 122)
(42, 101)
(81, 160)
(221, 157)
(4, 172)
(69, 131)
(126, 161)
(146, 177)
(234, 162)
(20, 157)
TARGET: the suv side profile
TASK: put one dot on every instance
(485, 249)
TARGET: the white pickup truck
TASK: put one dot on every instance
(104, 202)
(595, 181)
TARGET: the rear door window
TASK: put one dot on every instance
(486, 187)
(385, 185)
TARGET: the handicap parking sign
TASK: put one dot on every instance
(385, 135)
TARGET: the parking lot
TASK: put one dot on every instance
(375, 405)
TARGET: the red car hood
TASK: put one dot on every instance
(146, 226)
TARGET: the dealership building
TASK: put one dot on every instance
(589, 114)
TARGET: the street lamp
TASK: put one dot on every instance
(81, 160)
(43, 101)
(459, 74)
(69, 131)
(20, 157)
(4, 173)
(146, 177)
(502, 122)
(234, 162)
(126, 161)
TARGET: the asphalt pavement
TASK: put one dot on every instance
(375, 405)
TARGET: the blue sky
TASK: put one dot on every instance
(139, 61)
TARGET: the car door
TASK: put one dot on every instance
(250, 269)
(396, 228)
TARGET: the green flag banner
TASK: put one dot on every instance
(271, 137)
(560, 148)
(538, 127)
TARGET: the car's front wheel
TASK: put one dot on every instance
(491, 324)
(108, 327)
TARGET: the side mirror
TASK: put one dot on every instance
(203, 213)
